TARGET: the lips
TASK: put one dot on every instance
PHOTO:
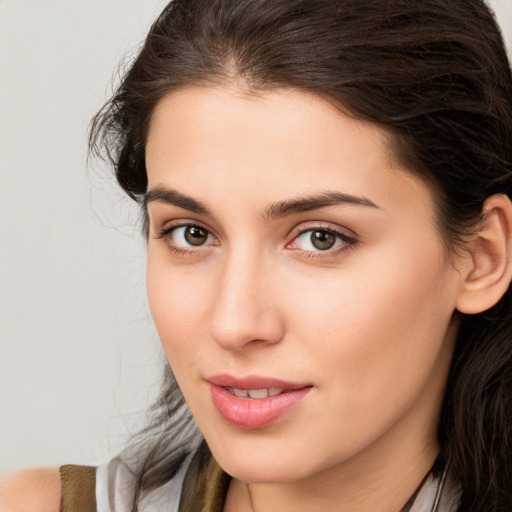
(254, 402)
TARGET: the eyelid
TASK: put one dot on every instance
(167, 227)
(348, 236)
(321, 226)
(165, 233)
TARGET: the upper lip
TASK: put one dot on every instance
(253, 382)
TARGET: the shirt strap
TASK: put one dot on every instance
(206, 484)
(78, 488)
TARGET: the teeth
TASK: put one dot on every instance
(258, 393)
(255, 393)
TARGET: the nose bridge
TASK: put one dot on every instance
(245, 309)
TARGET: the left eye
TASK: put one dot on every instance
(318, 240)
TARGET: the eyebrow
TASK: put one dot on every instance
(274, 211)
(316, 202)
(173, 197)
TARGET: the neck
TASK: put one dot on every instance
(376, 488)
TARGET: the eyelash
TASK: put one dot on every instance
(166, 232)
(348, 241)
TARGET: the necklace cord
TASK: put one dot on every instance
(439, 492)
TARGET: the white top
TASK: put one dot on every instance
(437, 495)
(113, 480)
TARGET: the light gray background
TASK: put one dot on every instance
(79, 358)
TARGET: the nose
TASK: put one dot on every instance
(246, 310)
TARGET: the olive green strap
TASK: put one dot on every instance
(216, 488)
(206, 485)
(78, 488)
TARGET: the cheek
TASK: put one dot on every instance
(179, 301)
(378, 331)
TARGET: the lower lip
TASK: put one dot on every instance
(251, 413)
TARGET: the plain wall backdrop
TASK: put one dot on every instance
(79, 356)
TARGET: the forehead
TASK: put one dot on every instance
(213, 140)
(205, 121)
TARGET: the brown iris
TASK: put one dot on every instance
(196, 235)
(323, 240)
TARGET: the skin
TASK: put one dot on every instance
(34, 490)
(369, 323)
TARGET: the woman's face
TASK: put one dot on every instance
(298, 283)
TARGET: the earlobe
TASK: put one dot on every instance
(487, 270)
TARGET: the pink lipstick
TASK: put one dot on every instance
(254, 402)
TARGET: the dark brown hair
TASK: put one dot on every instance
(436, 75)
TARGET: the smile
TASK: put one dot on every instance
(254, 402)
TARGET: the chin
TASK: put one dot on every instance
(259, 469)
(263, 475)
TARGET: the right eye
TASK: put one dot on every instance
(187, 236)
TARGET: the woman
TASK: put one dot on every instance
(326, 187)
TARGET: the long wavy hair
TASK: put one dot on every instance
(435, 74)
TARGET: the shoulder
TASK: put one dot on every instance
(31, 490)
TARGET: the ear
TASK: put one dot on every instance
(487, 270)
